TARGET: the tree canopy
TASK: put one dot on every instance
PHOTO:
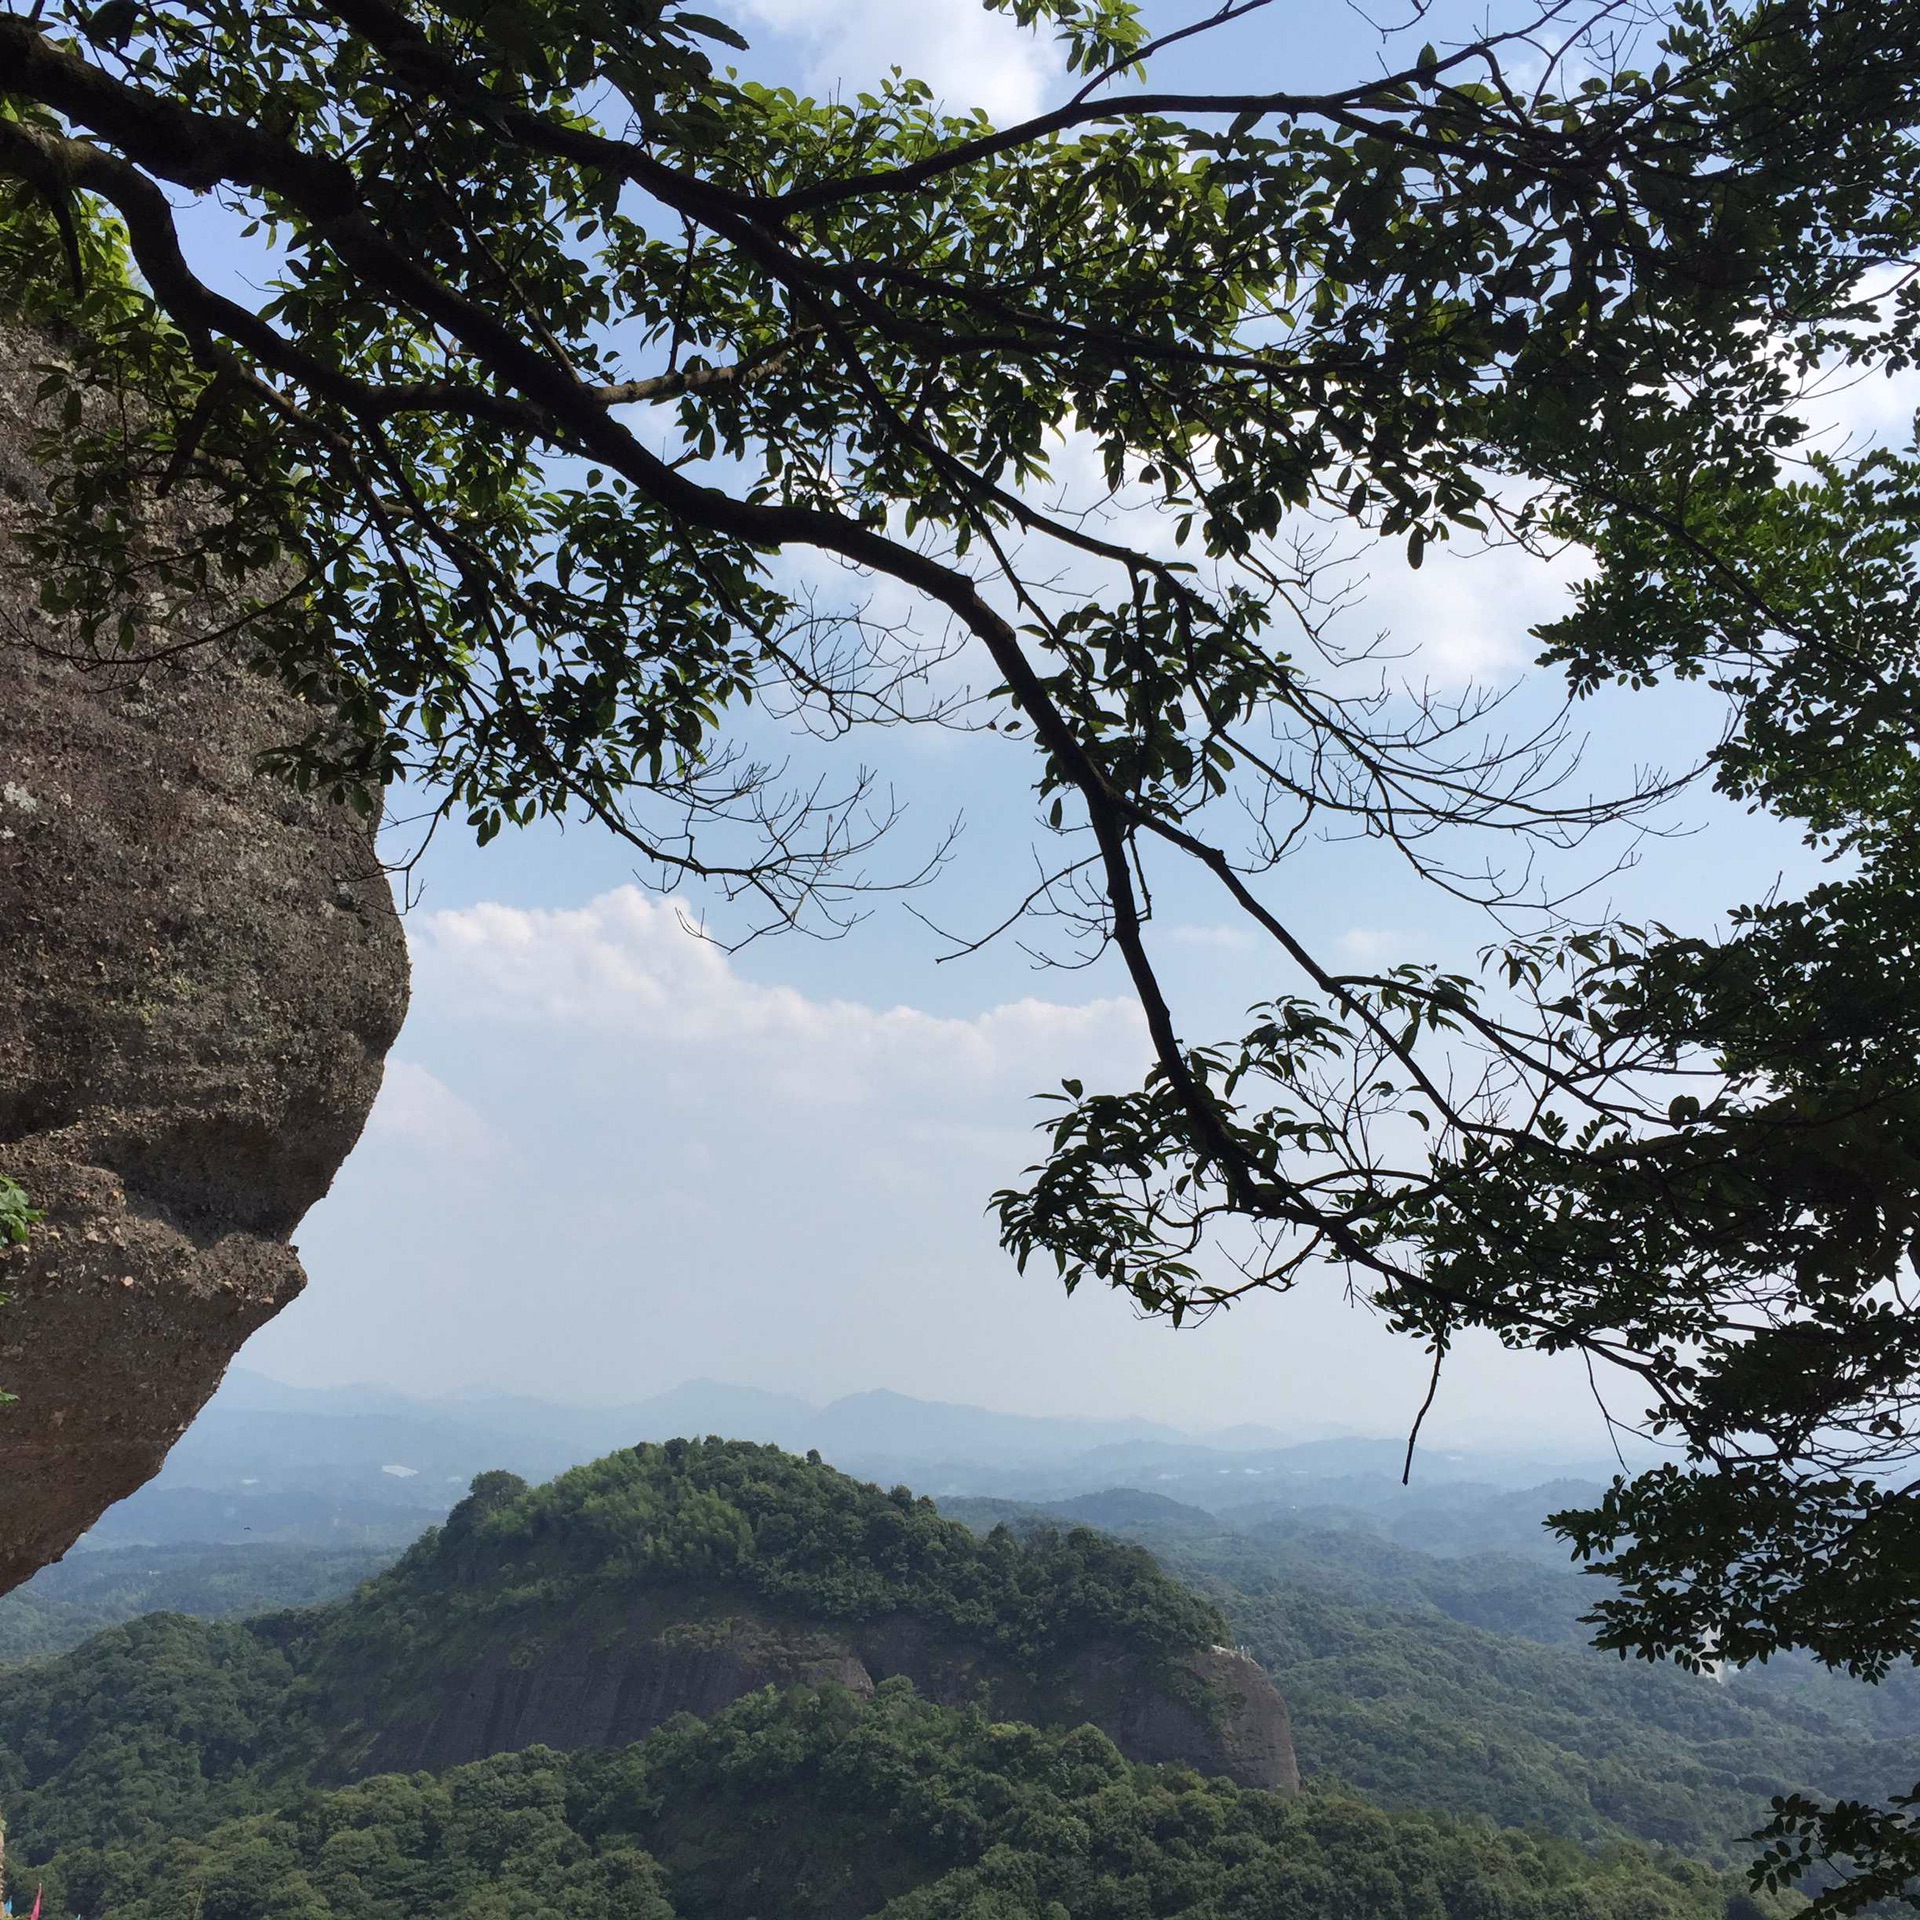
(796, 1537)
(573, 334)
(819, 1803)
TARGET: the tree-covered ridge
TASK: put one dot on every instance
(816, 1805)
(792, 1536)
(165, 1729)
(168, 1725)
(162, 1727)
(1462, 1686)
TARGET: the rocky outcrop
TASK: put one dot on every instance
(611, 1682)
(589, 1687)
(200, 974)
(1216, 1710)
(1249, 1720)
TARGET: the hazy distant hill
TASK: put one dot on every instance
(877, 1420)
(64, 1603)
(340, 1466)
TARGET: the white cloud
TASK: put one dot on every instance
(694, 1173)
(971, 58)
(625, 970)
(1464, 617)
(1223, 939)
(1372, 946)
(416, 1109)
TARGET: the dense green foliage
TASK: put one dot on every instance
(1422, 1712)
(161, 1727)
(1410, 1678)
(62, 1604)
(1455, 1686)
(168, 1760)
(814, 1805)
(1465, 1685)
(489, 1842)
(18, 1215)
(791, 1536)
(1398, 1664)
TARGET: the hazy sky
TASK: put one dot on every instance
(610, 1157)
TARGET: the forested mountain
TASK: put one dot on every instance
(790, 1535)
(815, 1804)
(217, 1767)
(1466, 1684)
(586, 1612)
(676, 1577)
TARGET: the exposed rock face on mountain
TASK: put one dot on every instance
(1250, 1721)
(200, 974)
(596, 1685)
(606, 1685)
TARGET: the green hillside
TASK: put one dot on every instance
(64, 1603)
(166, 1725)
(163, 1726)
(1467, 1686)
(814, 1805)
(173, 1759)
(791, 1536)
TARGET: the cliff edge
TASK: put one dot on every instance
(201, 974)
(608, 1684)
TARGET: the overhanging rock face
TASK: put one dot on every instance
(201, 972)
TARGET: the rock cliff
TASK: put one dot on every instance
(612, 1680)
(201, 974)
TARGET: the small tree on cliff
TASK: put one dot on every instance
(573, 335)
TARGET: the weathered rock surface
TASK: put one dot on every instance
(594, 1687)
(607, 1684)
(200, 974)
(1250, 1721)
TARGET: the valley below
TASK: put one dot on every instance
(713, 1678)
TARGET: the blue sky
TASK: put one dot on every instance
(611, 1157)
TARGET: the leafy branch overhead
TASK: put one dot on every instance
(583, 355)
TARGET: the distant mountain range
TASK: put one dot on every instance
(366, 1467)
(878, 1421)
